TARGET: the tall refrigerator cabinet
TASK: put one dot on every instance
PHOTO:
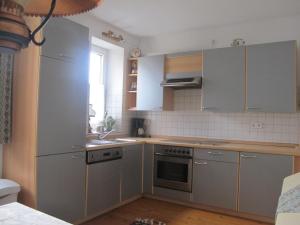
(62, 111)
(54, 173)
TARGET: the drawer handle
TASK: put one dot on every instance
(249, 156)
(215, 153)
(201, 163)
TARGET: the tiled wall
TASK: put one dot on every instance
(188, 120)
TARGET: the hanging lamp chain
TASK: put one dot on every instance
(44, 22)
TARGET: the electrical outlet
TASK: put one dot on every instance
(257, 125)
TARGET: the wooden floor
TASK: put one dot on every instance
(169, 213)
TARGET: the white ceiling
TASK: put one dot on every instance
(154, 17)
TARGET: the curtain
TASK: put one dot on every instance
(6, 79)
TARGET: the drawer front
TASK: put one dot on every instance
(216, 155)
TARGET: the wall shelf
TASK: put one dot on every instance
(132, 83)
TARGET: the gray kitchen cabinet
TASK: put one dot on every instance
(150, 75)
(132, 171)
(261, 177)
(148, 169)
(214, 181)
(224, 80)
(65, 40)
(62, 107)
(103, 186)
(61, 185)
(271, 77)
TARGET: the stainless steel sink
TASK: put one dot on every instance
(103, 142)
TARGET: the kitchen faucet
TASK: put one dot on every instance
(104, 134)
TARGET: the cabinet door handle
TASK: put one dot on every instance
(78, 146)
(248, 156)
(215, 153)
(65, 56)
(77, 156)
(209, 108)
(201, 163)
(253, 108)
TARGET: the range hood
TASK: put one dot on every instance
(183, 80)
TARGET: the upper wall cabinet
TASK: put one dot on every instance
(63, 91)
(190, 62)
(224, 80)
(271, 77)
(150, 95)
(64, 40)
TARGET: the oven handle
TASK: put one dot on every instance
(162, 154)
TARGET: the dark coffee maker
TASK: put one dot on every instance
(137, 127)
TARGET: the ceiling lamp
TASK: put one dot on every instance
(15, 34)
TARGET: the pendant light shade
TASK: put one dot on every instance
(15, 34)
(62, 8)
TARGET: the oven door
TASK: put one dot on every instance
(173, 172)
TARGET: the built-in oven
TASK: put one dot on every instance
(173, 167)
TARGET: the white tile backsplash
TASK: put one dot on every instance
(188, 120)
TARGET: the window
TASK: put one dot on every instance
(97, 87)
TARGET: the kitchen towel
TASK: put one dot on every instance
(6, 79)
(289, 202)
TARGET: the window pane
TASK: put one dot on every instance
(97, 89)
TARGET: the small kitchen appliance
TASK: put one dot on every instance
(138, 127)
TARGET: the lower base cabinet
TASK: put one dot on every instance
(61, 185)
(103, 186)
(132, 171)
(261, 178)
(148, 169)
(215, 184)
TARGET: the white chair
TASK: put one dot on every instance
(8, 191)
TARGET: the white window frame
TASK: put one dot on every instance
(104, 52)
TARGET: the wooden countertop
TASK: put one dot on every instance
(230, 145)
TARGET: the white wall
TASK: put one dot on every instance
(96, 27)
(255, 32)
(188, 120)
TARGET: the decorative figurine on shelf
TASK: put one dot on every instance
(136, 52)
(238, 42)
(133, 86)
(134, 67)
(92, 113)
